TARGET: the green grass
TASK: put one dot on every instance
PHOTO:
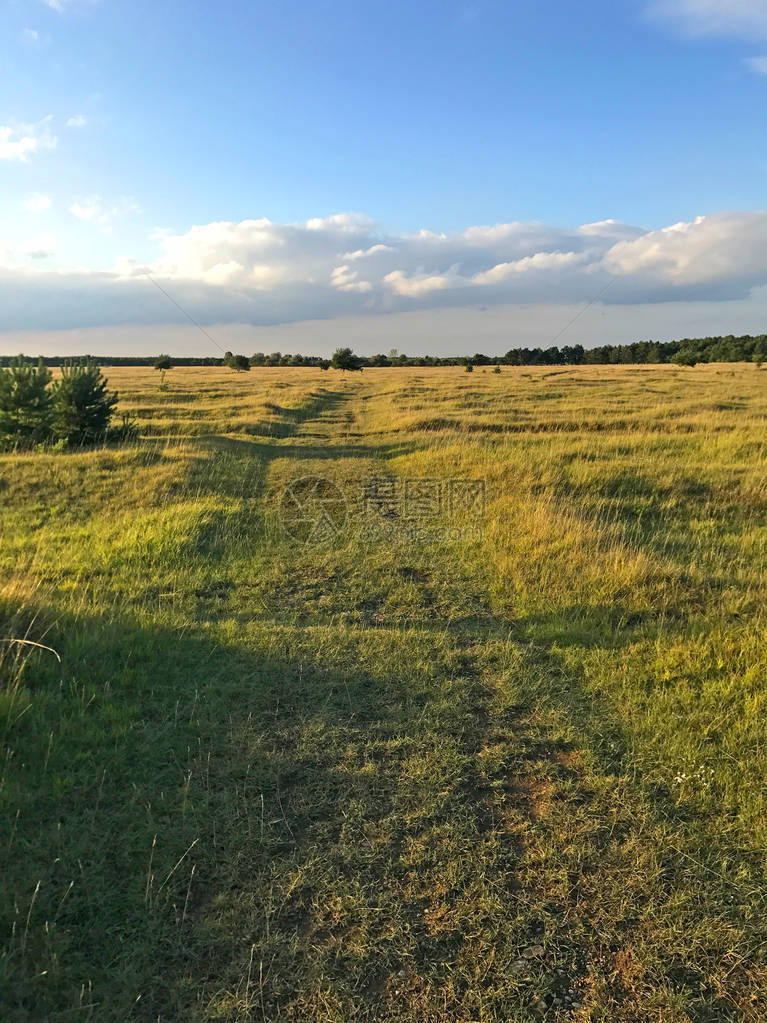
(510, 776)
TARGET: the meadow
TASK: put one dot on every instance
(377, 756)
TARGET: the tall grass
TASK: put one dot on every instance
(517, 775)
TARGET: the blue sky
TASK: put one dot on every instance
(124, 126)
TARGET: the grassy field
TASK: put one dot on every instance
(409, 760)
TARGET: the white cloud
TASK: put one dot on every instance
(342, 223)
(612, 229)
(740, 18)
(540, 261)
(261, 272)
(419, 284)
(346, 279)
(756, 64)
(724, 251)
(77, 121)
(95, 211)
(265, 277)
(20, 141)
(372, 251)
(30, 35)
(86, 209)
(37, 202)
(491, 234)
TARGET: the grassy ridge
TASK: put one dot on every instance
(513, 775)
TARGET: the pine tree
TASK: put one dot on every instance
(82, 406)
(25, 402)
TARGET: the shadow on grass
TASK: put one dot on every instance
(177, 805)
(208, 826)
(268, 451)
(288, 421)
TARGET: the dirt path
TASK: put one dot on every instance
(451, 835)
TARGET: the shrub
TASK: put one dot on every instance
(684, 358)
(239, 362)
(469, 367)
(497, 369)
(25, 403)
(82, 406)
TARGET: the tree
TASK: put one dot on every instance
(239, 362)
(345, 359)
(25, 402)
(81, 405)
(163, 362)
(684, 358)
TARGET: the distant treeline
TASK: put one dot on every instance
(688, 351)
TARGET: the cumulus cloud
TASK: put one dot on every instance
(346, 279)
(90, 208)
(420, 284)
(362, 253)
(528, 264)
(261, 272)
(724, 252)
(37, 202)
(341, 223)
(77, 121)
(277, 254)
(20, 141)
(740, 18)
